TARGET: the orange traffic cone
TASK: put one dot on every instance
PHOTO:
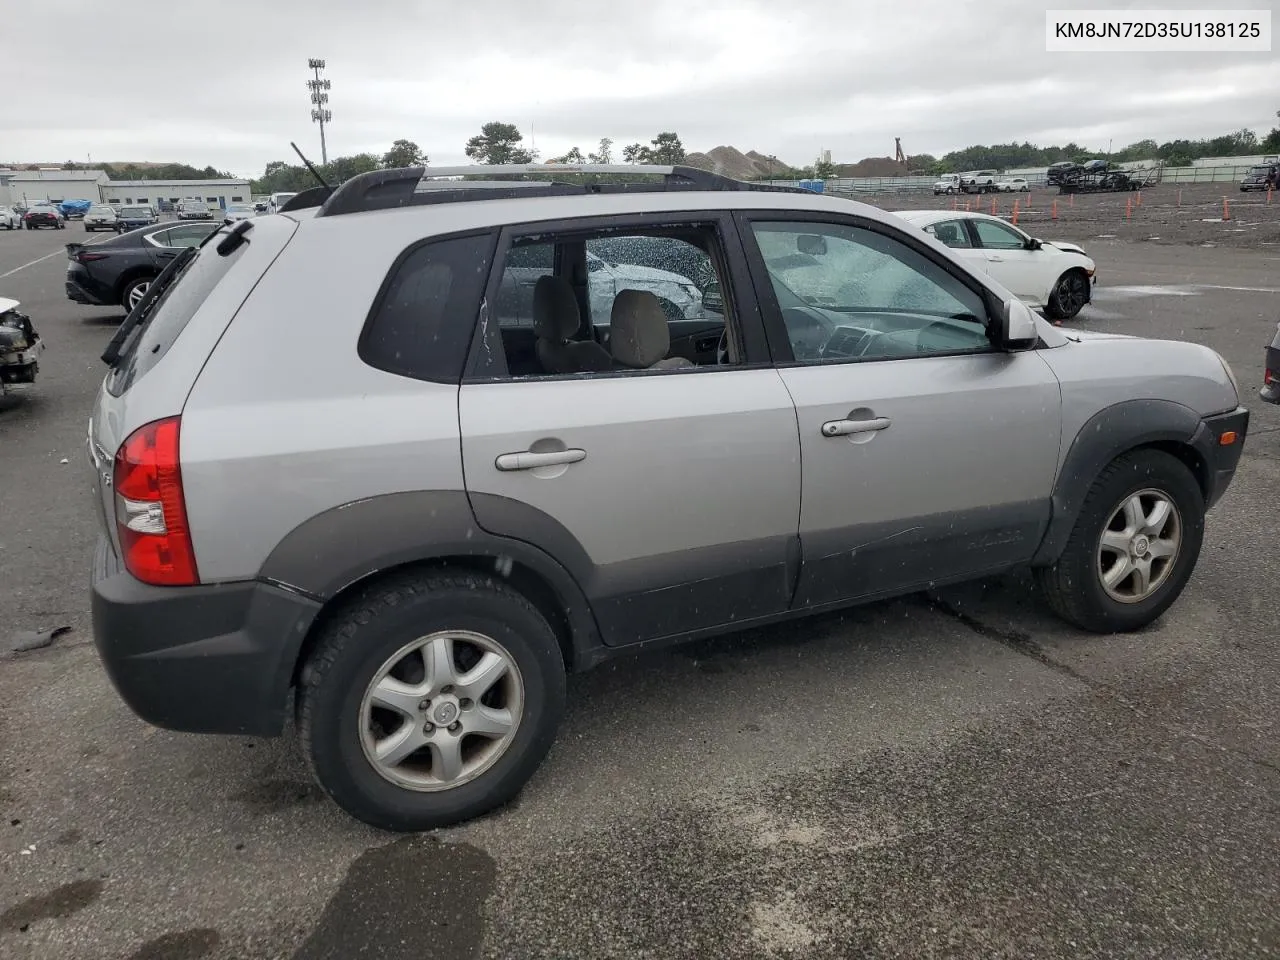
(1128, 208)
(1226, 209)
(1054, 212)
(1015, 213)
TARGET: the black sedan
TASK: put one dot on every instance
(1271, 371)
(119, 271)
(43, 215)
(130, 218)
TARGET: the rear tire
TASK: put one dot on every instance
(1074, 586)
(134, 291)
(342, 734)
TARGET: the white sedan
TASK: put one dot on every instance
(1049, 275)
(239, 211)
(9, 218)
(1014, 185)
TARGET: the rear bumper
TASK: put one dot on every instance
(205, 659)
(1221, 458)
(80, 295)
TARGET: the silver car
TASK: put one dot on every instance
(334, 470)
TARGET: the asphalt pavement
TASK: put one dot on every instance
(947, 775)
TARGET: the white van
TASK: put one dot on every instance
(278, 200)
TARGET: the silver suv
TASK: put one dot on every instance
(335, 471)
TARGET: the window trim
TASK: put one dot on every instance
(776, 327)
(384, 291)
(743, 310)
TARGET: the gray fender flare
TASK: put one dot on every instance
(1106, 435)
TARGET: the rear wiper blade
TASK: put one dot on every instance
(139, 314)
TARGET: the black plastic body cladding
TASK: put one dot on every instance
(1123, 427)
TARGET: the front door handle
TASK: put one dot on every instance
(529, 460)
(843, 428)
(995, 259)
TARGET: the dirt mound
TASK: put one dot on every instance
(872, 167)
(732, 162)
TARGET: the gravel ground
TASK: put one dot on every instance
(1166, 214)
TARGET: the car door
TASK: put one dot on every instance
(1011, 261)
(928, 455)
(671, 495)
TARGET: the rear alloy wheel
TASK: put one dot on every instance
(134, 292)
(431, 700)
(1133, 547)
(1069, 295)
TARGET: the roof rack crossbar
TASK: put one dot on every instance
(412, 186)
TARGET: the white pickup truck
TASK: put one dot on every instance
(947, 183)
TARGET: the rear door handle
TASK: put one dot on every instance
(843, 428)
(528, 460)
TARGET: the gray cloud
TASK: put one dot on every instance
(224, 85)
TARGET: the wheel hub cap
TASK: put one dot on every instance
(1139, 546)
(446, 712)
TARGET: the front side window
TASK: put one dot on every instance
(851, 293)
(994, 235)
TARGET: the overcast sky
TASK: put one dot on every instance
(222, 82)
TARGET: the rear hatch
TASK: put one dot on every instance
(158, 352)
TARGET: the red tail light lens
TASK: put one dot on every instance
(86, 257)
(151, 514)
(1268, 378)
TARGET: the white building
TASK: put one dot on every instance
(160, 193)
(27, 186)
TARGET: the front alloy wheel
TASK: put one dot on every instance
(1139, 546)
(1069, 295)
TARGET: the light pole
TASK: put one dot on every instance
(320, 113)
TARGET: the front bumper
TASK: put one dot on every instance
(1221, 457)
(215, 658)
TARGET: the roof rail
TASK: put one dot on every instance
(413, 186)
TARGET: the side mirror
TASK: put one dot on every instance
(1017, 325)
(1034, 244)
(813, 244)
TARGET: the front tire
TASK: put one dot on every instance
(1133, 547)
(1069, 295)
(394, 723)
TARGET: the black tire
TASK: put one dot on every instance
(1073, 585)
(1069, 295)
(130, 287)
(356, 643)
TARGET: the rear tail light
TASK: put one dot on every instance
(1269, 377)
(151, 514)
(88, 257)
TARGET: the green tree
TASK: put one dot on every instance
(603, 153)
(341, 169)
(1271, 142)
(635, 153)
(498, 143)
(664, 149)
(573, 156)
(404, 153)
(824, 170)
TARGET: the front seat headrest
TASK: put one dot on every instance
(638, 334)
(555, 309)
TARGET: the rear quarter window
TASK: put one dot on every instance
(426, 312)
(170, 316)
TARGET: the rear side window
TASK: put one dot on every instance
(170, 316)
(422, 323)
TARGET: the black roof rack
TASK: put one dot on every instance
(414, 186)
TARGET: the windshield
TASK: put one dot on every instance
(135, 212)
(97, 208)
(239, 208)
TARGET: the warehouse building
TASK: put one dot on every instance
(25, 187)
(161, 194)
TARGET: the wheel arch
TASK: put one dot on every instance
(131, 274)
(1112, 432)
(338, 555)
